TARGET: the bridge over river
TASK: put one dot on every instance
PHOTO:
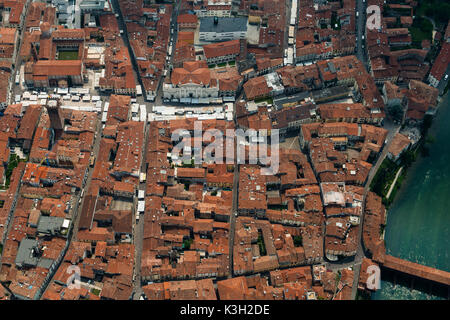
(415, 269)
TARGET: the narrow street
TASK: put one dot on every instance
(393, 129)
(233, 215)
(79, 199)
(138, 225)
(16, 88)
(361, 31)
(79, 204)
(138, 231)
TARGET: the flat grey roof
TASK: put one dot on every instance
(329, 92)
(50, 225)
(225, 24)
(289, 99)
(45, 263)
(25, 254)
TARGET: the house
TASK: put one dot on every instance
(222, 52)
(399, 144)
(440, 67)
(8, 39)
(187, 22)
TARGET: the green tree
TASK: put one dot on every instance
(298, 241)
(187, 244)
(396, 112)
(407, 158)
(427, 121)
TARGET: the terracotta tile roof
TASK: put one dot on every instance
(7, 35)
(423, 92)
(221, 49)
(196, 72)
(187, 18)
(398, 144)
(57, 68)
(29, 122)
(191, 173)
(440, 64)
(256, 87)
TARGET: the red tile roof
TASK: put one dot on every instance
(196, 72)
(57, 68)
(440, 65)
(221, 49)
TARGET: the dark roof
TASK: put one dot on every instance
(50, 225)
(26, 253)
(224, 24)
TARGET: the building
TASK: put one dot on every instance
(56, 73)
(192, 81)
(8, 39)
(214, 29)
(399, 144)
(213, 8)
(222, 52)
(440, 66)
(263, 86)
(91, 5)
(187, 22)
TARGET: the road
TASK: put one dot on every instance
(17, 89)
(287, 24)
(355, 261)
(361, 30)
(392, 130)
(234, 210)
(138, 226)
(233, 216)
(79, 204)
(78, 200)
(124, 35)
(394, 182)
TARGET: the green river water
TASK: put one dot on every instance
(418, 221)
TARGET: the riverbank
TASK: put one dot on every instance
(418, 221)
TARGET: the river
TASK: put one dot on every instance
(418, 221)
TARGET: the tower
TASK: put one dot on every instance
(56, 117)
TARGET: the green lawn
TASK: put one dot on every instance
(269, 100)
(335, 22)
(12, 163)
(187, 244)
(422, 29)
(95, 291)
(68, 55)
(262, 247)
(418, 34)
(384, 177)
(439, 10)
